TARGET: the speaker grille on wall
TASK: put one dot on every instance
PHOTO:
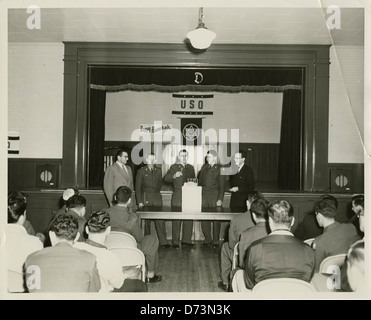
(341, 180)
(47, 175)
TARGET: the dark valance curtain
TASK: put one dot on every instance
(97, 114)
(289, 150)
(113, 79)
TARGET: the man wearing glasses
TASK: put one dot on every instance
(117, 175)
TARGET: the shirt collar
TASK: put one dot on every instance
(120, 164)
(95, 244)
(282, 232)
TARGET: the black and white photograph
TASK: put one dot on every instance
(185, 150)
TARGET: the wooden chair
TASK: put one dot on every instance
(235, 256)
(131, 257)
(283, 285)
(309, 242)
(336, 260)
(120, 239)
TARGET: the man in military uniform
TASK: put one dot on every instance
(212, 182)
(148, 192)
(178, 174)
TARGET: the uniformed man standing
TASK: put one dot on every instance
(212, 182)
(148, 192)
(178, 174)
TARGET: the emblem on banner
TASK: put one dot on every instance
(199, 77)
(191, 132)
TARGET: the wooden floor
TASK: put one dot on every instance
(188, 270)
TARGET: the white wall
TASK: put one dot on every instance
(346, 105)
(35, 96)
(36, 100)
(256, 115)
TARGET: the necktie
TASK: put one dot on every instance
(124, 167)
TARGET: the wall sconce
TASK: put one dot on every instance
(201, 38)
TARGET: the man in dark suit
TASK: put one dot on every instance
(122, 219)
(62, 268)
(261, 229)
(280, 254)
(241, 183)
(148, 192)
(246, 232)
(309, 227)
(178, 174)
(336, 237)
(118, 174)
(212, 182)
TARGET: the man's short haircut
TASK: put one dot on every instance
(359, 200)
(325, 207)
(281, 212)
(99, 221)
(330, 197)
(16, 209)
(119, 153)
(65, 227)
(260, 207)
(76, 201)
(212, 152)
(243, 153)
(123, 194)
(181, 151)
(14, 194)
(356, 254)
(253, 195)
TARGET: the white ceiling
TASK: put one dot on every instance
(170, 25)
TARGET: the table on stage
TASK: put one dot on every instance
(175, 213)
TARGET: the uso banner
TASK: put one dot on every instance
(191, 129)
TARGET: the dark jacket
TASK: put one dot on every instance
(244, 180)
(278, 256)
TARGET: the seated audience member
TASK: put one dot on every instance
(62, 268)
(18, 244)
(238, 224)
(309, 227)
(258, 210)
(67, 194)
(358, 208)
(358, 202)
(132, 282)
(12, 195)
(122, 219)
(356, 267)
(280, 254)
(336, 237)
(76, 207)
(108, 263)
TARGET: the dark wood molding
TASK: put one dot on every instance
(313, 58)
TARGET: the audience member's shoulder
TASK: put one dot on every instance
(259, 242)
(349, 227)
(85, 254)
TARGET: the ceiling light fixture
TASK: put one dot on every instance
(201, 38)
